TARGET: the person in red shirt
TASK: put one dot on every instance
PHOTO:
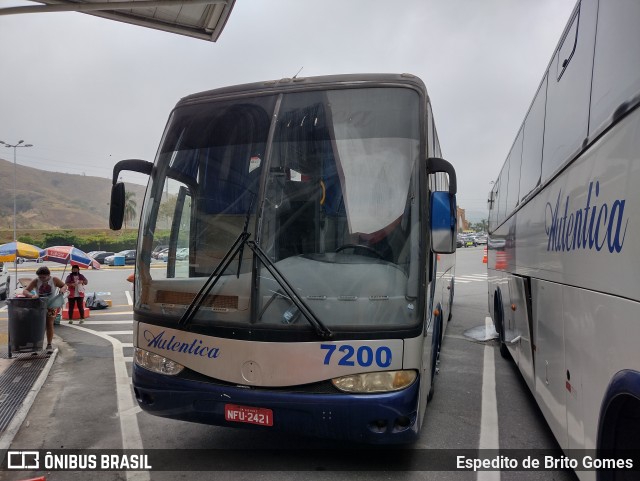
(76, 282)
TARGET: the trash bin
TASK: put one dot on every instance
(118, 260)
(27, 322)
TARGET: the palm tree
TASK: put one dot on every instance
(129, 207)
(167, 209)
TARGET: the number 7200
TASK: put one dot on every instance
(363, 356)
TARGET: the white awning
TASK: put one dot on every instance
(203, 19)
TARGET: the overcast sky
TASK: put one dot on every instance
(88, 92)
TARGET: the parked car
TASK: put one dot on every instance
(100, 256)
(157, 250)
(469, 241)
(481, 240)
(182, 253)
(129, 257)
(163, 254)
(24, 259)
(5, 281)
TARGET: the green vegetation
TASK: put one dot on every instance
(130, 205)
(481, 226)
(85, 239)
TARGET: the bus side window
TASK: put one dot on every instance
(502, 193)
(568, 92)
(531, 166)
(515, 160)
(616, 70)
(568, 46)
(431, 134)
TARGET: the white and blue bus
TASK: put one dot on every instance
(302, 290)
(564, 224)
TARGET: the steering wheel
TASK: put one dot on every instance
(360, 246)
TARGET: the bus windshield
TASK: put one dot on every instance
(324, 182)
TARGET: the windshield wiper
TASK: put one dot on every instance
(220, 268)
(322, 330)
(213, 280)
(317, 324)
(244, 230)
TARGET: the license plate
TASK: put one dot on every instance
(250, 415)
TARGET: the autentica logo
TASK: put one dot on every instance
(195, 348)
(594, 226)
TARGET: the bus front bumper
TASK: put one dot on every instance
(387, 418)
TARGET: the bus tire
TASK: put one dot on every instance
(498, 319)
(619, 426)
(435, 354)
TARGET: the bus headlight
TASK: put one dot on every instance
(154, 362)
(370, 382)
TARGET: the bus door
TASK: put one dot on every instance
(518, 329)
(549, 360)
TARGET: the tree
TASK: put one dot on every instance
(130, 205)
(481, 226)
(167, 209)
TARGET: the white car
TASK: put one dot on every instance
(5, 281)
(25, 259)
(181, 254)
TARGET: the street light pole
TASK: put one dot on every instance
(20, 143)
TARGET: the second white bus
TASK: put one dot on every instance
(564, 246)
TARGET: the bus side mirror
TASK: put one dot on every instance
(444, 215)
(116, 211)
(443, 222)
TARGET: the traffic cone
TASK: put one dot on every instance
(484, 257)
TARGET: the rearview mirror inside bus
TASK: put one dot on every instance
(443, 222)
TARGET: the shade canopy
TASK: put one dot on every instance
(11, 250)
(70, 255)
(202, 19)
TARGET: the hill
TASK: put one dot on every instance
(53, 200)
